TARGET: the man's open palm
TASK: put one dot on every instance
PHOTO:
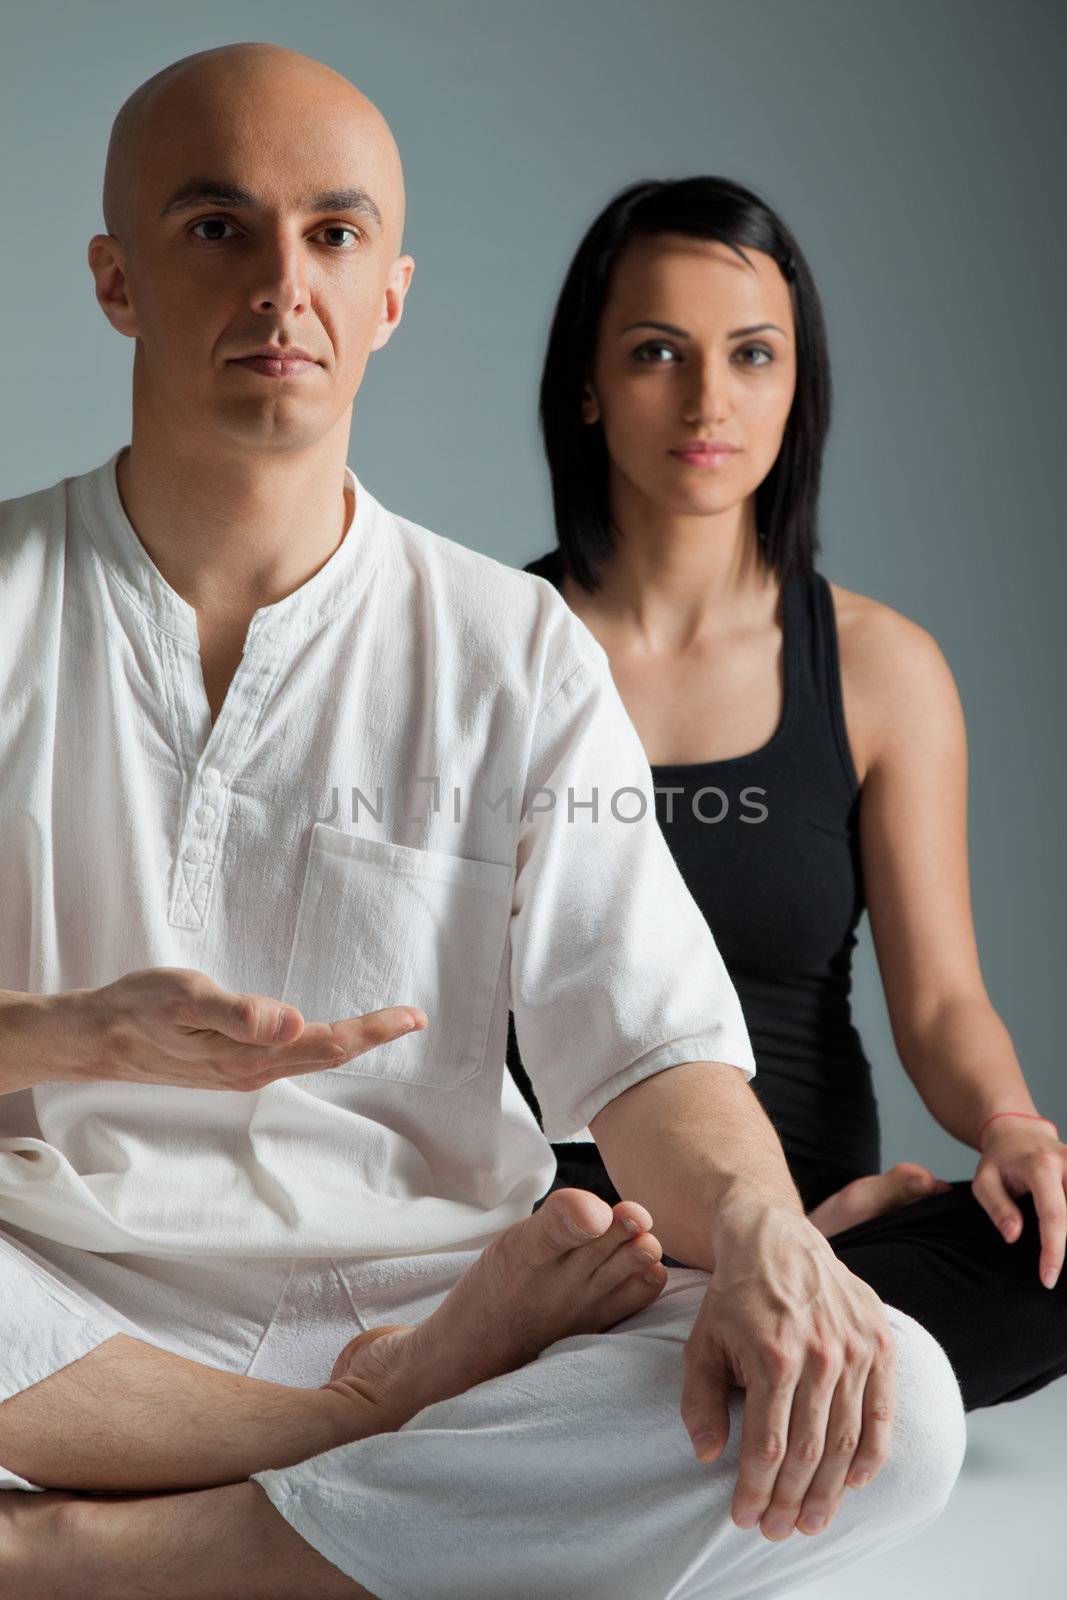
(177, 1026)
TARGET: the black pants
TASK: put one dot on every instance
(943, 1261)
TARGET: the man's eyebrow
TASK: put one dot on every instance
(680, 333)
(201, 191)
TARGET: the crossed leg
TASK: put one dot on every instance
(533, 1288)
(210, 1544)
(567, 1475)
(129, 1416)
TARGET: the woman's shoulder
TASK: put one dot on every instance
(872, 636)
(894, 676)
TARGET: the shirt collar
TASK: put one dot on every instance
(338, 581)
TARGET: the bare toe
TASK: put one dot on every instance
(632, 1295)
(568, 1219)
(636, 1255)
(573, 1266)
(914, 1181)
(630, 1222)
(874, 1195)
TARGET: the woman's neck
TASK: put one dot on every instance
(675, 580)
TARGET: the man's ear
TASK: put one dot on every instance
(590, 407)
(107, 262)
(396, 288)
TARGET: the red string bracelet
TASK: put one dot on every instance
(1030, 1114)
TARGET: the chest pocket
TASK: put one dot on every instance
(383, 924)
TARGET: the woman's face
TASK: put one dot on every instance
(694, 347)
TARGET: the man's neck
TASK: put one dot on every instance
(231, 535)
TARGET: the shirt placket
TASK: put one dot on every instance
(212, 758)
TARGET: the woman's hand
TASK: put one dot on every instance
(1022, 1157)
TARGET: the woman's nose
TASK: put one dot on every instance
(705, 399)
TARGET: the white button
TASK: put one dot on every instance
(205, 813)
(212, 777)
(195, 852)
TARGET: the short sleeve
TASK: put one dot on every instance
(615, 974)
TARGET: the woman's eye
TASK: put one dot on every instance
(646, 352)
(655, 353)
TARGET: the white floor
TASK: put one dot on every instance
(1002, 1535)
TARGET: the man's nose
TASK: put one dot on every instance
(281, 279)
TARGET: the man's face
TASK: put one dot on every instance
(299, 247)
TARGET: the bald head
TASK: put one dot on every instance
(199, 115)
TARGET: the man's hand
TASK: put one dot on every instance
(811, 1345)
(173, 1025)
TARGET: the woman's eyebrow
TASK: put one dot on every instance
(680, 333)
(210, 190)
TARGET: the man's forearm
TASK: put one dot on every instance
(688, 1143)
(38, 1037)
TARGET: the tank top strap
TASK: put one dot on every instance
(813, 708)
(822, 675)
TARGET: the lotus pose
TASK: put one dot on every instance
(808, 751)
(278, 1316)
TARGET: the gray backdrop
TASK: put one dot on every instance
(916, 152)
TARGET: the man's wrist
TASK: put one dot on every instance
(741, 1198)
(44, 1038)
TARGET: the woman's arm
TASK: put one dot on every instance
(906, 730)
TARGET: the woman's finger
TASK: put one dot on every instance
(1046, 1186)
(988, 1189)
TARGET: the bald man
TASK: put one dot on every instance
(278, 1316)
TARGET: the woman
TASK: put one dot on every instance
(808, 751)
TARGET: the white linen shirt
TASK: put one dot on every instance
(434, 682)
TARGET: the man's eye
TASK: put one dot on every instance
(221, 222)
(211, 222)
(340, 227)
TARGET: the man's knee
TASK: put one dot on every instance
(929, 1431)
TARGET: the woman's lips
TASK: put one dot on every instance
(705, 457)
(274, 368)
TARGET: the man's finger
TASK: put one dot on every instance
(764, 1432)
(827, 1487)
(705, 1409)
(247, 1018)
(357, 1034)
(805, 1449)
(879, 1408)
(322, 1045)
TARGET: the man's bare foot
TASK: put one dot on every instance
(571, 1267)
(870, 1197)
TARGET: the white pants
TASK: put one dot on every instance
(572, 1476)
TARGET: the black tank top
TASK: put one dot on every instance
(768, 846)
